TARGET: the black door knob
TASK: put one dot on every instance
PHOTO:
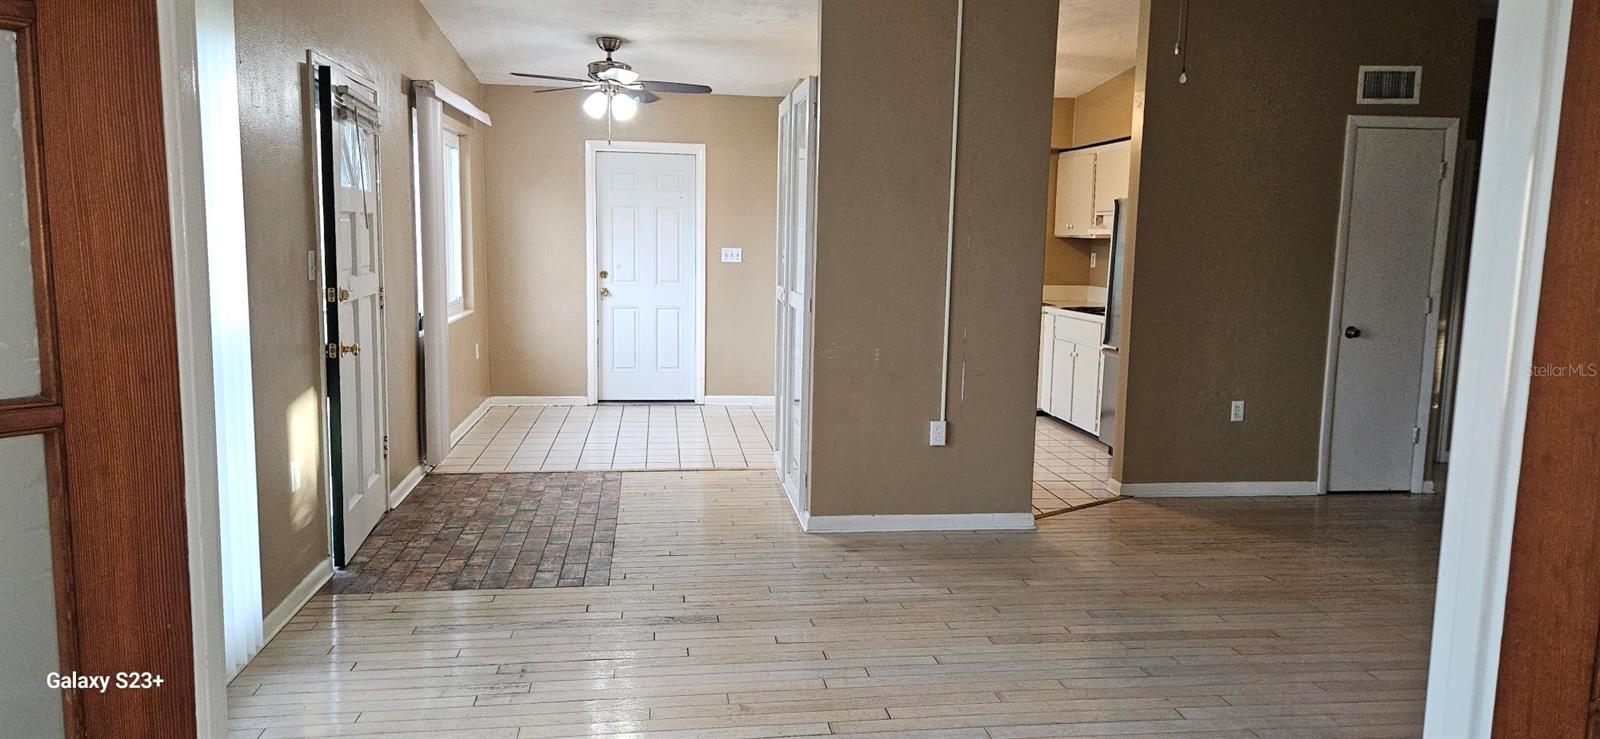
(1351, 332)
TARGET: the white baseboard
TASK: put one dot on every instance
(537, 400)
(471, 419)
(297, 598)
(1213, 489)
(918, 522)
(756, 400)
(407, 485)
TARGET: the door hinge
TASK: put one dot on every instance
(380, 298)
(1428, 309)
(1416, 434)
(385, 446)
(1444, 169)
(331, 350)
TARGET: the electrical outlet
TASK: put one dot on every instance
(1236, 412)
(936, 432)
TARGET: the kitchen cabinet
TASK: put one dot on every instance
(1074, 193)
(1070, 370)
(1088, 183)
(1085, 410)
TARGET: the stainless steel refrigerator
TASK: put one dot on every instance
(1115, 289)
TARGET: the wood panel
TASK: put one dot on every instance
(1548, 652)
(1241, 617)
(110, 247)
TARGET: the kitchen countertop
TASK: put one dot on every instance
(1069, 310)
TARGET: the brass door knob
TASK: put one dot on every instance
(604, 274)
(605, 292)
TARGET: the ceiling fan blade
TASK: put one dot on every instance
(642, 96)
(559, 89)
(530, 75)
(658, 86)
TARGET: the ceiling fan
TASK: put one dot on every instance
(617, 89)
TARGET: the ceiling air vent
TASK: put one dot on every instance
(1389, 85)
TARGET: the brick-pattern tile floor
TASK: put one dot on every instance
(482, 531)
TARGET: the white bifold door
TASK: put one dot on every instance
(647, 206)
(353, 304)
(1396, 207)
(797, 139)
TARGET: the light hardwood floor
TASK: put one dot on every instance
(1205, 617)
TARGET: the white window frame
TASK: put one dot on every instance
(462, 306)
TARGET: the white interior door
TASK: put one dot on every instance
(796, 177)
(353, 294)
(1398, 186)
(646, 211)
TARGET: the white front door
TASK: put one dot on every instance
(353, 262)
(646, 210)
(1397, 186)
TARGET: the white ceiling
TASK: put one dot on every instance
(739, 47)
(1095, 41)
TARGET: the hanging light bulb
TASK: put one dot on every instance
(624, 107)
(595, 105)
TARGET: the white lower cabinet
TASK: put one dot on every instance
(1069, 370)
(1085, 411)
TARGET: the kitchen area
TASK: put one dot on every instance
(1079, 318)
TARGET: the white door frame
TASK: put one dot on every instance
(1441, 238)
(1502, 303)
(591, 279)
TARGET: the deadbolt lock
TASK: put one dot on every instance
(604, 274)
(336, 351)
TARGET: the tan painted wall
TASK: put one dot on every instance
(1104, 113)
(392, 42)
(536, 225)
(1238, 203)
(1101, 114)
(882, 195)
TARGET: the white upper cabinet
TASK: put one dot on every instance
(1088, 183)
(1075, 193)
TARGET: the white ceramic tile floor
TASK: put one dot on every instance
(551, 438)
(1070, 468)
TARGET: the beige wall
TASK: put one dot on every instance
(536, 224)
(1101, 114)
(1238, 204)
(881, 204)
(392, 42)
(1104, 113)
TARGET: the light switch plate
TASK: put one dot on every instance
(732, 254)
(1236, 411)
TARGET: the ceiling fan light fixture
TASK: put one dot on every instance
(595, 105)
(624, 107)
(620, 75)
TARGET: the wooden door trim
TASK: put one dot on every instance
(1548, 652)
